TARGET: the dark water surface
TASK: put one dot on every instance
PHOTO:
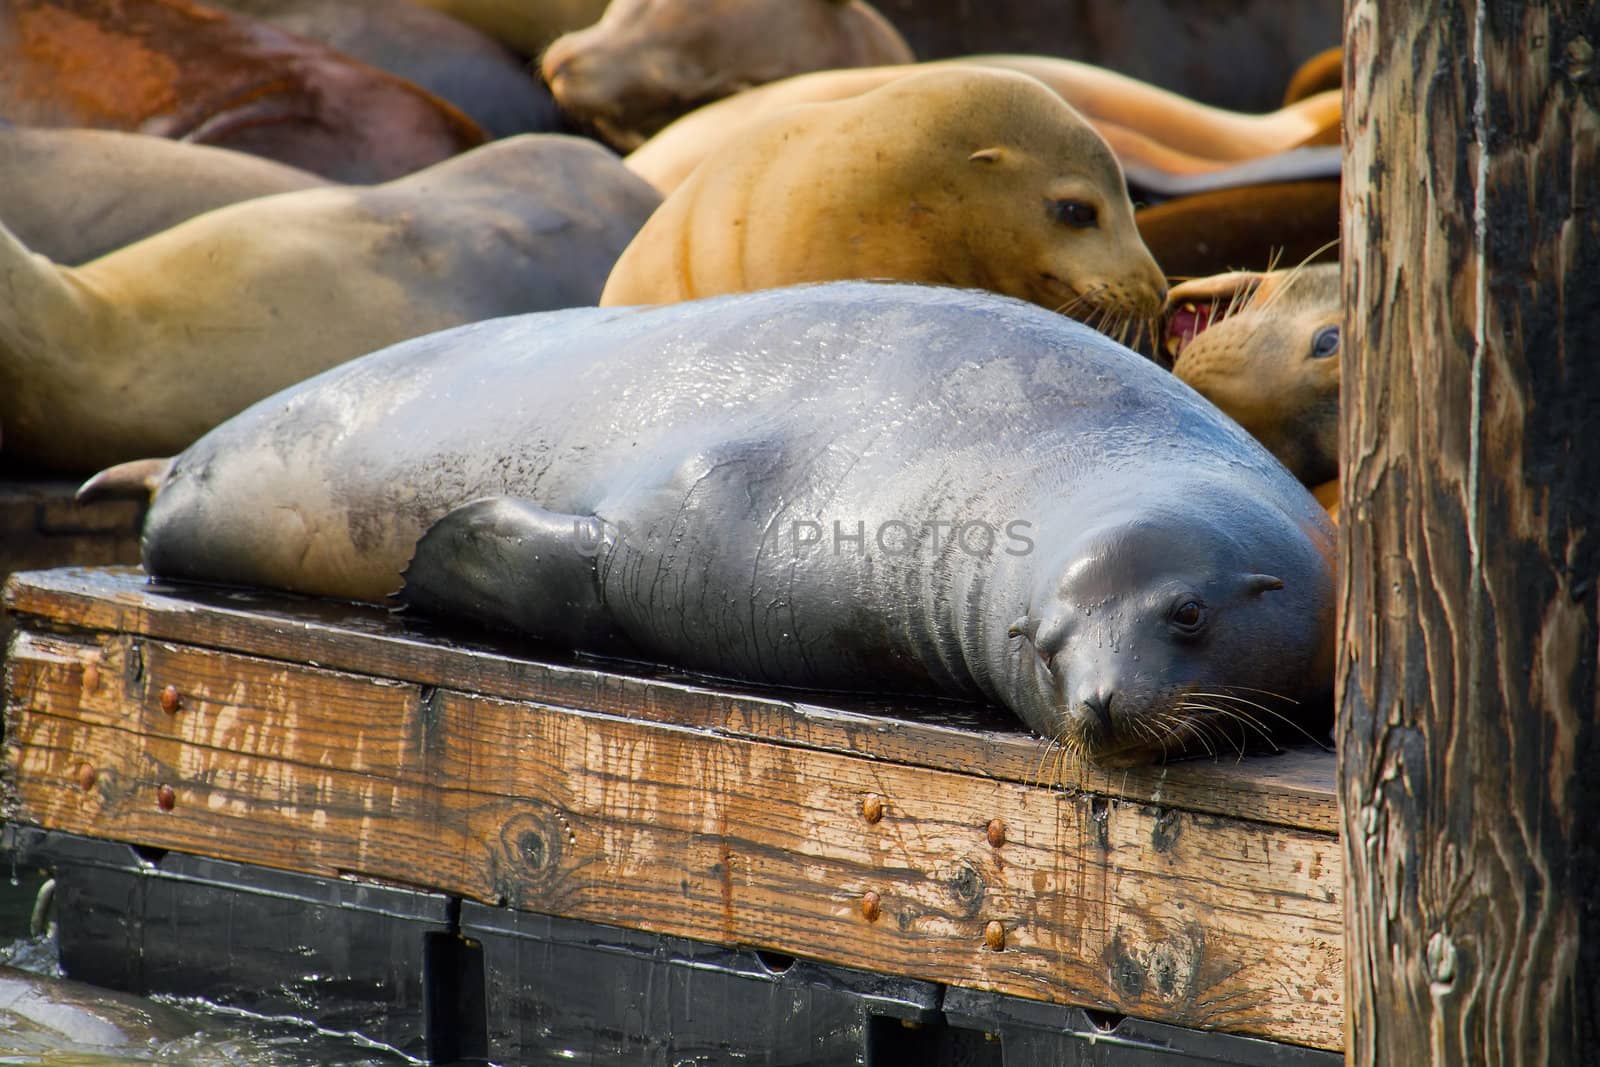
(48, 1019)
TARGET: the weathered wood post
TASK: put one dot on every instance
(1469, 731)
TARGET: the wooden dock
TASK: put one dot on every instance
(934, 841)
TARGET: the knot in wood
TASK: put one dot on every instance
(1579, 59)
(967, 888)
(530, 846)
(1441, 958)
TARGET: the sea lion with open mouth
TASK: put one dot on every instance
(849, 486)
(1265, 349)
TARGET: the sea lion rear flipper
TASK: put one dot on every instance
(505, 562)
(137, 479)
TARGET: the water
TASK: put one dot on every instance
(46, 1019)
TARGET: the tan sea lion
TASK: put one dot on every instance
(1143, 124)
(193, 73)
(1265, 349)
(74, 195)
(139, 352)
(1236, 54)
(646, 62)
(526, 25)
(964, 176)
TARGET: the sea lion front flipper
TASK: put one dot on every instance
(505, 562)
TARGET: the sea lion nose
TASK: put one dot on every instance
(1098, 705)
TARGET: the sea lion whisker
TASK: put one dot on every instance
(1250, 723)
(1274, 694)
(1047, 746)
(1280, 716)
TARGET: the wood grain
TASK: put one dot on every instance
(1165, 914)
(1469, 730)
(1293, 789)
(42, 526)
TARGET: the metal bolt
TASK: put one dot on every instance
(996, 833)
(170, 701)
(994, 935)
(166, 798)
(87, 776)
(872, 807)
(871, 906)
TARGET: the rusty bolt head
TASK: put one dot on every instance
(872, 807)
(871, 906)
(170, 701)
(166, 798)
(996, 833)
(91, 678)
(994, 935)
(87, 776)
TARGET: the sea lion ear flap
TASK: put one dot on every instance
(987, 155)
(1023, 627)
(503, 562)
(1256, 584)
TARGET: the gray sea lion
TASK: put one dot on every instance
(854, 485)
(141, 351)
(74, 195)
(1265, 349)
(489, 82)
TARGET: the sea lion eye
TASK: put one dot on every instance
(1188, 616)
(1325, 343)
(1074, 213)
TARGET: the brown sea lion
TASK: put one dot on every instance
(963, 176)
(181, 70)
(1265, 349)
(1143, 124)
(141, 351)
(489, 82)
(1319, 74)
(74, 195)
(1247, 227)
(646, 62)
(526, 25)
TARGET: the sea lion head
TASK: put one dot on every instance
(646, 62)
(1176, 627)
(1042, 205)
(1265, 349)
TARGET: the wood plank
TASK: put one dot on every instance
(1291, 789)
(1164, 914)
